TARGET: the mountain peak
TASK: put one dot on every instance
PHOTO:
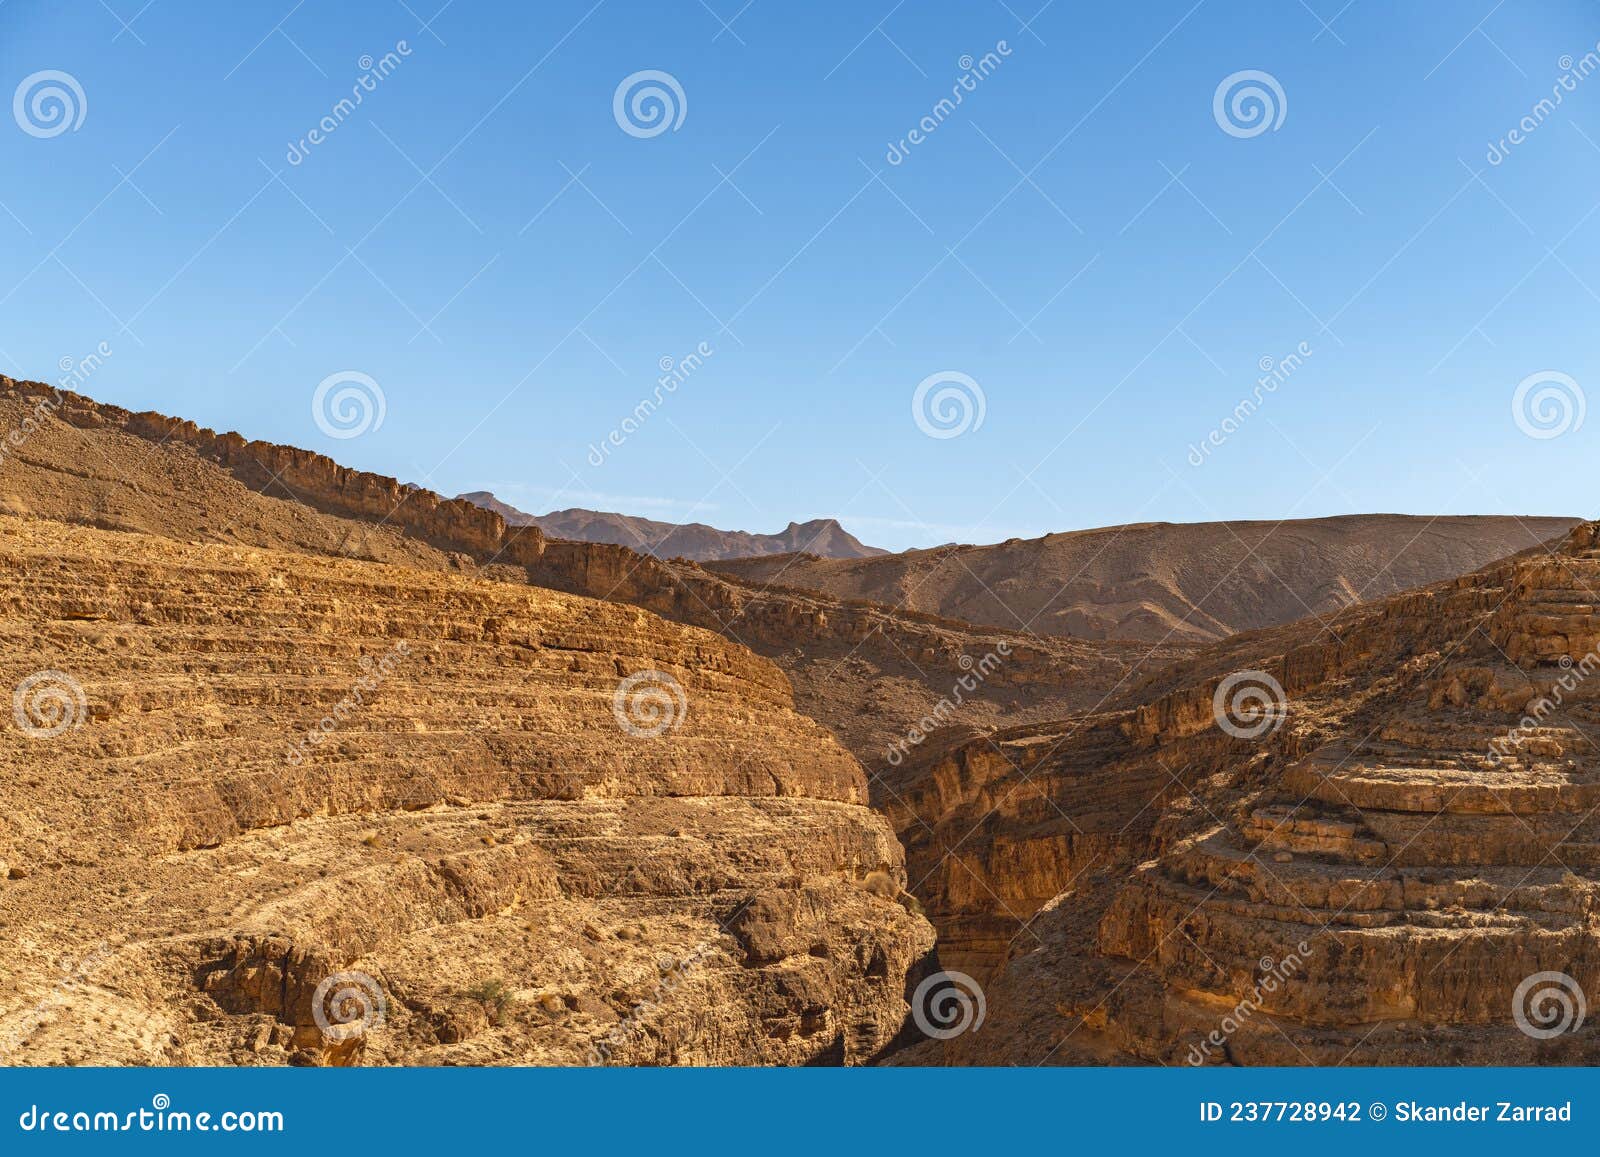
(823, 537)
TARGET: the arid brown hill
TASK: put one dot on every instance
(823, 537)
(265, 807)
(1395, 864)
(867, 671)
(1169, 582)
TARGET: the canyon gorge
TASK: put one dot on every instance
(581, 803)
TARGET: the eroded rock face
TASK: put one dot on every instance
(1370, 882)
(867, 670)
(246, 775)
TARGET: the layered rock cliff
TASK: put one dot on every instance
(266, 807)
(867, 670)
(1392, 861)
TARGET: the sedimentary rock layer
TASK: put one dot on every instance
(1399, 869)
(869, 671)
(233, 774)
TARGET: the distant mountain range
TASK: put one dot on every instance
(1161, 581)
(823, 537)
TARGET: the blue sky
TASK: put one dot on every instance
(1080, 238)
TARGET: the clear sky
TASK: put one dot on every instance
(1104, 249)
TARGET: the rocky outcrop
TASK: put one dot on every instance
(255, 798)
(1398, 867)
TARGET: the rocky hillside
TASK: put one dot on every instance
(333, 744)
(267, 807)
(1368, 842)
(1170, 582)
(823, 537)
(868, 671)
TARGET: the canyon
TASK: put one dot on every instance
(565, 802)
(1387, 861)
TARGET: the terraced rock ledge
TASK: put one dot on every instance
(1381, 879)
(278, 768)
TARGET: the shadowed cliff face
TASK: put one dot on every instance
(513, 825)
(1371, 879)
